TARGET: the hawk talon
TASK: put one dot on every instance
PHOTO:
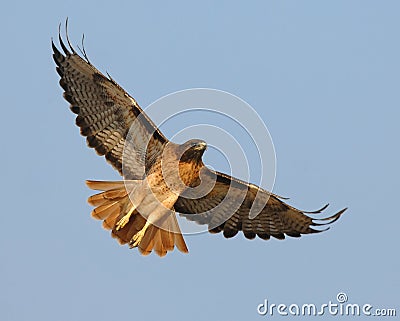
(122, 222)
(138, 237)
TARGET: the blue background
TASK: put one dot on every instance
(323, 75)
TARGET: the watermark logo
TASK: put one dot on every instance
(339, 307)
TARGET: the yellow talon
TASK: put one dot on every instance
(137, 238)
(124, 220)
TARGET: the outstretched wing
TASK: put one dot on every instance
(275, 218)
(106, 114)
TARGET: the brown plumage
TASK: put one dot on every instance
(161, 177)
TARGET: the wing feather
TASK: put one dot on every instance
(105, 114)
(275, 219)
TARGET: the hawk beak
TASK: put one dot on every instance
(200, 146)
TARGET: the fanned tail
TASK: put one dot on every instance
(163, 239)
(119, 215)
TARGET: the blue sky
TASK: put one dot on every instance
(324, 77)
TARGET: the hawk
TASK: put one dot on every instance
(159, 175)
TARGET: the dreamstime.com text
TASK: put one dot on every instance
(341, 307)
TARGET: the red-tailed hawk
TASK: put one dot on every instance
(159, 175)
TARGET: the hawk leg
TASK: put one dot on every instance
(125, 219)
(137, 238)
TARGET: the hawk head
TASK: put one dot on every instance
(192, 150)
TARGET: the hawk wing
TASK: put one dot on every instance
(106, 114)
(275, 217)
